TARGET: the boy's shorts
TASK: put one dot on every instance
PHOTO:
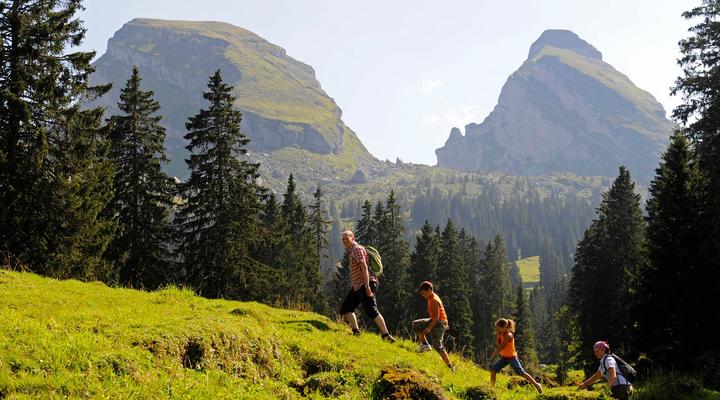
(436, 334)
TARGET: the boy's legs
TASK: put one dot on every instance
(418, 326)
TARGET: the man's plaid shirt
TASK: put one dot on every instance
(358, 261)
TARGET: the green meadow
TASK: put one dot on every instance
(68, 339)
(529, 271)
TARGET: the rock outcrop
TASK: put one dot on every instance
(282, 102)
(564, 109)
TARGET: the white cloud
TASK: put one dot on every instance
(429, 85)
(432, 119)
(462, 116)
(458, 117)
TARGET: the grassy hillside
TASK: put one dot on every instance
(87, 340)
(61, 339)
(529, 271)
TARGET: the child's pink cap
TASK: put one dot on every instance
(601, 345)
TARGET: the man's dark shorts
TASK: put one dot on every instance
(356, 297)
(513, 361)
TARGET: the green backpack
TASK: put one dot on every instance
(375, 260)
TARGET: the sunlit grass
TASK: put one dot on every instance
(67, 339)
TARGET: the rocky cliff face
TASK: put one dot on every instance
(564, 109)
(283, 104)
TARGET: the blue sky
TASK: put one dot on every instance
(405, 72)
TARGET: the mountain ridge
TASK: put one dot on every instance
(564, 109)
(283, 104)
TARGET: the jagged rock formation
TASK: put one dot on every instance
(283, 104)
(564, 109)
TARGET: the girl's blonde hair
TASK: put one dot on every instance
(506, 323)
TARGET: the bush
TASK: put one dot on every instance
(480, 393)
(406, 384)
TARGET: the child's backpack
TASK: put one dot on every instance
(375, 260)
(625, 369)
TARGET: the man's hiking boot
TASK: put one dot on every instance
(388, 337)
(452, 367)
(356, 332)
(424, 347)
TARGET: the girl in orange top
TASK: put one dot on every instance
(505, 329)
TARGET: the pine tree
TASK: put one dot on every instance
(424, 263)
(699, 114)
(606, 260)
(297, 262)
(525, 332)
(219, 218)
(55, 179)
(394, 292)
(495, 296)
(666, 306)
(453, 290)
(364, 228)
(319, 226)
(142, 191)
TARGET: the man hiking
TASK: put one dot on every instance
(363, 288)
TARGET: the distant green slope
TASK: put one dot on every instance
(529, 271)
(66, 339)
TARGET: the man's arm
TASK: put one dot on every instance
(365, 276)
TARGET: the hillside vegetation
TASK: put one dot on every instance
(70, 339)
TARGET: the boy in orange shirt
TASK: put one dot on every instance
(435, 326)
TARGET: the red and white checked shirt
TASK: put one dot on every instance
(358, 261)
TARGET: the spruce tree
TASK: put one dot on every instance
(606, 260)
(699, 114)
(424, 263)
(142, 191)
(453, 290)
(495, 296)
(666, 309)
(394, 293)
(365, 226)
(525, 332)
(319, 226)
(55, 178)
(219, 218)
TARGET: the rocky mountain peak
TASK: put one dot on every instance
(564, 109)
(564, 39)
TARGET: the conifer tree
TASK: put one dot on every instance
(219, 218)
(525, 332)
(298, 264)
(666, 311)
(606, 260)
(700, 87)
(142, 191)
(55, 179)
(319, 226)
(424, 263)
(395, 291)
(365, 226)
(495, 296)
(453, 290)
